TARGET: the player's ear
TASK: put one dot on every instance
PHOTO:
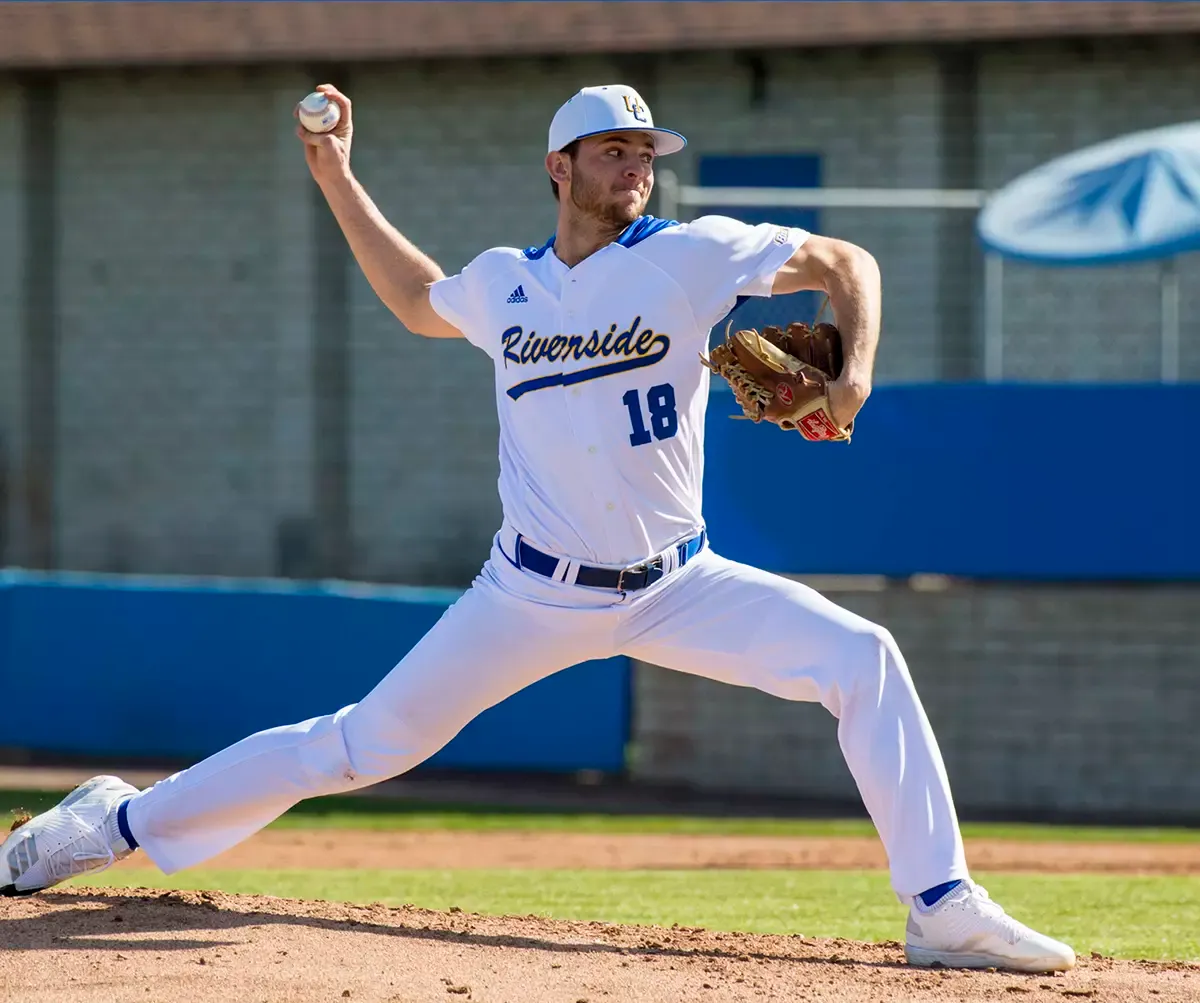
(558, 167)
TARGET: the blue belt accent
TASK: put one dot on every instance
(631, 579)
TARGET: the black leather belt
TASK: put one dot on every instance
(631, 579)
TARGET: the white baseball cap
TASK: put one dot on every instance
(610, 108)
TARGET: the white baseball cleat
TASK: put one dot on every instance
(966, 929)
(70, 839)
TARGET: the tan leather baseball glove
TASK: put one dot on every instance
(781, 376)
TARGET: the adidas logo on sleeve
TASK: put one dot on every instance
(517, 296)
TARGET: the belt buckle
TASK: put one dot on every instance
(646, 567)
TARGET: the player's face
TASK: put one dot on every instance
(612, 176)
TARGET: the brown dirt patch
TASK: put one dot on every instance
(442, 849)
(106, 946)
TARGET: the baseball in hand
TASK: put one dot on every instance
(319, 114)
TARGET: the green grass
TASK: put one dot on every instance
(1122, 916)
(381, 813)
(1130, 917)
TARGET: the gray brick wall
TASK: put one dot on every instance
(11, 268)
(1045, 699)
(234, 399)
(1093, 323)
(169, 260)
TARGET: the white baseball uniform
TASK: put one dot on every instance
(602, 551)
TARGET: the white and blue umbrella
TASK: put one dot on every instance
(1130, 199)
(1135, 198)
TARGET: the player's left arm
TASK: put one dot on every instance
(849, 275)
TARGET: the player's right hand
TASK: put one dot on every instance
(328, 153)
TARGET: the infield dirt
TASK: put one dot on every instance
(121, 946)
(107, 946)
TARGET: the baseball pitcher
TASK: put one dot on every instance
(599, 342)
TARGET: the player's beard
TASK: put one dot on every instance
(598, 202)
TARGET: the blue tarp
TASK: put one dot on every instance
(1072, 482)
(155, 667)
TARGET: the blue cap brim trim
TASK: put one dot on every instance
(675, 140)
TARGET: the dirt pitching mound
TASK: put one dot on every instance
(101, 946)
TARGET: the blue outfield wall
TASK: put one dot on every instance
(1017, 482)
(105, 665)
(1004, 481)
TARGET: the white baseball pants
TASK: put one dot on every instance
(712, 618)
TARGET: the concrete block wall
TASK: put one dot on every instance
(233, 398)
(1046, 700)
(166, 322)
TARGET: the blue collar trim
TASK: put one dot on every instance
(635, 233)
(533, 253)
(643, 227)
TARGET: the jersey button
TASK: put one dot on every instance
(610, 506)
(591, 449)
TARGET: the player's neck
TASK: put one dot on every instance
(578, 236)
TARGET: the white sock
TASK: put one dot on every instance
(112, 831)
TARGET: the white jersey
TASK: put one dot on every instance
(599, 387)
